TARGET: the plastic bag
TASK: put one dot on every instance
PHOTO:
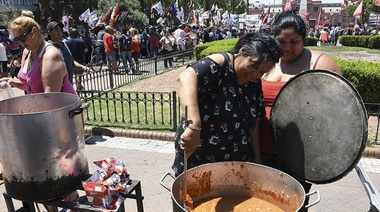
(6, 91)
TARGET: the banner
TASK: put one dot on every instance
(158, 8)
(65, 21)
(84, 16)
(181, 15)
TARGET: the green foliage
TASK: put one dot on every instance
(206, 49)
(135, 16)
(364, 75)
(369, 6)
(374, 42)
(311, 41)
(366, 41)
(363, 40)
(348, 40)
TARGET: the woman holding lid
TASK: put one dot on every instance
(290, 29)
(224, 99)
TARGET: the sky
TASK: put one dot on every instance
(279, 1)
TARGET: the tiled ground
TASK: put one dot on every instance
(148, 160)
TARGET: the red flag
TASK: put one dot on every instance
(345, 2)
(377, 3)
(288, 5)
(359, 10)
(307, 16)
(319, 21)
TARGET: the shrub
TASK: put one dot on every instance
(311, 41)
(374, 42)
(364, 75)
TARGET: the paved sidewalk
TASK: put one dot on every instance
(148, 160)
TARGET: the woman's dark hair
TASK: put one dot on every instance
(290, 20)
(264, 47)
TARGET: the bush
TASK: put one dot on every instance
(311, 41)
(348, 40)
(374, 42)
(364, 75)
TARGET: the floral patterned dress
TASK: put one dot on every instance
(228, 113)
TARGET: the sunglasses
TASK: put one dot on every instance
(272, 46)
(22, 38)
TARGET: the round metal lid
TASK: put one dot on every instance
(319, 126)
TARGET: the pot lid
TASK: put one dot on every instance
(319, 126)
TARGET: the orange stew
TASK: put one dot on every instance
(234, 204)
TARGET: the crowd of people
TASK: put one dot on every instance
(331, 33)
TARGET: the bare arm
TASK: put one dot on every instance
(255, 145)
(325, 62)
(80, 66)
(188, 95)
(53, 70)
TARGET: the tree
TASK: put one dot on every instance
(7, 14)
(368, 7)
(135, 16)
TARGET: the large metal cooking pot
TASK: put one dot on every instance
(239, 178)
(42, 146)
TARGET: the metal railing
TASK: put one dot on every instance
(106, 79)
(156, 110)
(128, 109)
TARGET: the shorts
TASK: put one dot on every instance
(111, 56)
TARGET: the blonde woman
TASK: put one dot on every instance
(42, 67)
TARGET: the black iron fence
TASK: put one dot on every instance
(135, 110)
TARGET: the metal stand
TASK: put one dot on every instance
(133, 192)
(373, 109)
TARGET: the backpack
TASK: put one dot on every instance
(127, 43)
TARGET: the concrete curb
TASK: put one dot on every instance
(131, 133)
(369, 152)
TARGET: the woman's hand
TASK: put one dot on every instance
(5, 82)
(190, 140)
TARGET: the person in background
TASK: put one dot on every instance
(153, 42)
(42, 68)
(224, 98)
(167, 48)
(135, 47)
(180, 35)
(290, 29)
(78, 49)
(3, 61)
(99, 45)
(54, 30)
(14, 65)
(108, 41)
(124, 44)
(87, 39)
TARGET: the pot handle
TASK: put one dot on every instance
(79, 109)
(316, 201)
(163, 178)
